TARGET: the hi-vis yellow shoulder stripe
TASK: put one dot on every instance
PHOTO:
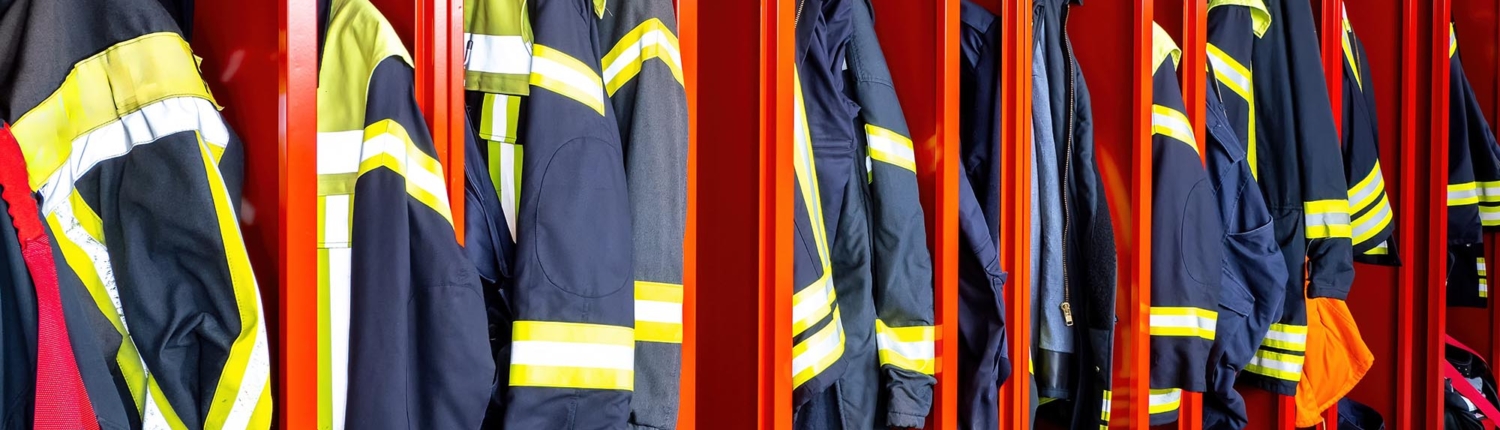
(890, 147)
(1183, 322)
(572, 355)
(910, 348)
(1349, 49)
(1327, 219)
(1169, 122)
(658, 312)
(814, 303)
(560, 73)
(387, 145)
(99, 90)
(652, 39)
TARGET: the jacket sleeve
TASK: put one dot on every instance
(1369, 205)
(1325, 199)
(902, 267)
(643, 76)
(1464, 224)
(1480, 143)
(1186, 248)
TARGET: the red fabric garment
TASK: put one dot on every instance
(61, 401)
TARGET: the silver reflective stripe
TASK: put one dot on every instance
(508, 55)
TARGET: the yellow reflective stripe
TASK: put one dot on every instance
(325, 342)
(82, 266)
(1164, 400)
(163, 408)
(1452, 41)
(1169, 122)
(1327, 219)
(572, 355)
(818, 352)
(1349, 49)
(650, 40)
(560, 73)
(1364, 192)
(891, 148)
(1382, 248)
(86, 216)
(1287, 337)
(813, 303)
(1489, 191)
(263, 412)
(1162, 46)
(1104, 410)
(1463, 194)
(1184, 322)
(910, 348)
(500, 116)
(525, 375)
(238, 387)
(1372, 222)
(1260, 16)
(1230, 72)
(387, 145)
(1277, 365)
(658, 312)
(807, 175)
(99, 90)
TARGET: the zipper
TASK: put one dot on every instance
(1067, 307)
(796, 19)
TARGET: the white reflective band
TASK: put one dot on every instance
(1277, 365)
(115, 139)
(910, 348)
(507, 55)
(560, 73)
(391, 148)
(572, 355)
(815, 354)
(812, 304)
(1169, 122)
(1327, 218)
(1230, 72)
(1183, 321)
(340, 271)
(651, 39)
(658, 312)
(1287, 337)
(1373, 222)
(338, 151)
(891, 147)
(1463, 194)
(1163, 401)
(1489, 191)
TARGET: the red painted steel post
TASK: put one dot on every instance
(945, 226)
(687, 34)
(1331, 32)
(1430, 389)
(777, 193)
(1015, 227)
(1192, 71)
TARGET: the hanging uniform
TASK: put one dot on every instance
(1187, 244)
(1373, 230)
(643, 76)
(399, 301)
(573, 342)
(131, 160)
(983, 364)
(1296, 159)
(1473, 187)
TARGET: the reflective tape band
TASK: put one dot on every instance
(1349, 53)
(891, 148)
(1382, 248)
(572, 355)
(1287, 337)
(1260, 16)
(1104, 409)
(807, 174)
(1489, 191)
(1452, 41)
(500, 116)
(1479, 265)
(506, 55)
(103, 89)
(818, 352)
(652, 39)
(1362, 194)
(658, 312)
(1230, 72)
(1277, 365)
(1327, 219)
(560, 73)
(1489, 215)
(1164, 400)
(1183, 322)
(1463, 194)
(1169, 122)
(910, 348)
(812, 304)
(1372, 222)
(387, 145)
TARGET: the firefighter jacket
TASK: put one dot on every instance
(1296, 158)
(573, 341)
(1186, 246)
(1254, 274)
(398, 299)
(983, 364)
(1473, 187)
(125, 147)
(1373, 229)
(1083, 375)
(642, 72)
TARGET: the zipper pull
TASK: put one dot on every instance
(1067, 310)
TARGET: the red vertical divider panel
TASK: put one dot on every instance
(1476, 25)
(1431, 48)
(687, 35)
(1015, 215)
(745, 209)
(261, 63)
(1330, 35)
(1115, 60)
(920, 41)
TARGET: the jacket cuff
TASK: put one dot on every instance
(904, 420)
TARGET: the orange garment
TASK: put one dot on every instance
(1336, 360)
